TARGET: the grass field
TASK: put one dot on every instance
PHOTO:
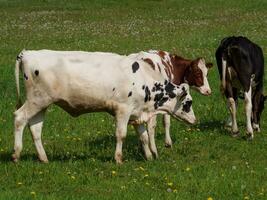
(204, 161)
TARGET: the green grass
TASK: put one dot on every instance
(204, 161)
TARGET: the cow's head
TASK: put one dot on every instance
(258, 106)
(177, 101)
(196, 76)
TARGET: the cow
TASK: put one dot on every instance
(83, 82)
(241, 67)
(177, 70)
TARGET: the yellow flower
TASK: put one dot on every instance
(170, 184)
(175, 190)
(73, 177)
(146, 175)
(33, 193)
(147, 183)
(210, 198)
(141, 168)
(188, 169)
(19, 183)
(246, 198)
(113, 173)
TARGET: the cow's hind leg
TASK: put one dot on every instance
(141, 130)
(36, 124)
(22, 116)
(232, 108)
(121, 131)
(248, 108)
(151, 125)
(167, 124)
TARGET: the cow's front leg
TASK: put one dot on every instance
(248, 108)
(232, 108)
(121, 131)
(151, 125)
(167, 124)
(36, 124)
(141, 131)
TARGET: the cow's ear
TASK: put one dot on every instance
(209, 65)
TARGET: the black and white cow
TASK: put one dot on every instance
(83, 82)
(241, 67)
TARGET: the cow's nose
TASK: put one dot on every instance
(208, 92)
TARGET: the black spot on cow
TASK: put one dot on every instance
(158, 97)
(160, 102)
(25, 77)
(183, 96)
(113, 89)
(157, 87)
(147, 94)
(187, 106)
(169, 88)
(165, 82)
(36, 72)
(135, 67)
(130, 94)
(19, 57)
(133, 83)
(143, 87)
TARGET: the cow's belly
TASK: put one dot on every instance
(79, 107)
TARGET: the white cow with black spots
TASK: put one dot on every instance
(83, 82)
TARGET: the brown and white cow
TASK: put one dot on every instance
(178, 70)
(82, 82)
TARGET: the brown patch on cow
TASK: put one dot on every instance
(194, 75)
(167, 68)
(159, 68)
(180, 66)
(161, 54)
(150, 62)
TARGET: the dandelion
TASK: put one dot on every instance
(73, 177)
(147, 183)
(188, 169)
(114, 173)
(141, 168)
(246, 198)
(146, 175)
(19, 183)
(170, 184)
(33, 193)
(209, 198)
(175, 191)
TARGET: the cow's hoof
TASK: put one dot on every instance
(149, 158)
(118, 158)
(235, 134)
(250, 136)
(15, 159)
(45, 161)
(168, 145)
(155, 154)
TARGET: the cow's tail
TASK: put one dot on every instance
(17, 69)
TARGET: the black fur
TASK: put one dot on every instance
(135, 67)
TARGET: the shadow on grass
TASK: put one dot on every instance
(100, 149)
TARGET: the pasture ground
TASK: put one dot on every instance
(204, 161)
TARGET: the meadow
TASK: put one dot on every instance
(205, 161)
